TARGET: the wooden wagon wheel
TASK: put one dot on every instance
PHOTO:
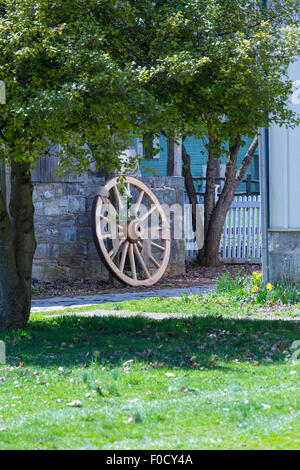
(133, 247)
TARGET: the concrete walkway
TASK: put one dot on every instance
(61, 303)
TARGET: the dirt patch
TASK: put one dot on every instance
(195, 276)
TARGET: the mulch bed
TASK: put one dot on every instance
(195, 276)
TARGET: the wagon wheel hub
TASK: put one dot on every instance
(135, 231)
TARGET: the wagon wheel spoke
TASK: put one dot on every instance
(123, 256)
(109, 221)
(154, 261)
(117, 196)
(159, 247)
(148, 213)
(113, 253)
(139, 201)
(141, 261)
(107, 236)
(132, 262)
(150, 257)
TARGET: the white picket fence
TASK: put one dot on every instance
(241, 238)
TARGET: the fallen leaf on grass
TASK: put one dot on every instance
(75, 403)
(128, 362)
(189, 389)
(130, 420)
(160, 364)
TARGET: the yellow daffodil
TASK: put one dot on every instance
(269, 286)
(257, 276)
(254, 289)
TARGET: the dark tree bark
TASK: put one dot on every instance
(215, 214)
(170, 157)
(189, 184)
(190, 188)
(209, 195)
(17, 247)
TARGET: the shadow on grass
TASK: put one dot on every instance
(186, 343)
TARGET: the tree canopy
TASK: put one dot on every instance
(213, 67)
(62, 84)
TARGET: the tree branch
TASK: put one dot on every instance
(247, 160)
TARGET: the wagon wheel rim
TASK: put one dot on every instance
(123, 232)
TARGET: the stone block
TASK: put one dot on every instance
(67, 234)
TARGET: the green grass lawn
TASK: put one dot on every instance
(203, 305)
(201, 382)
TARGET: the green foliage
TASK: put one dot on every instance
(94, 72)
(229, 285)
(213, 67)
(252, 290)
(63, 85)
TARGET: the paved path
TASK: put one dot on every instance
(61, 303)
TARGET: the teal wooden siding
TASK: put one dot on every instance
(198, 153)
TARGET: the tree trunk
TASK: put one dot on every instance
(17, 247)
(210, 191)
(209, 255)
(170, 158)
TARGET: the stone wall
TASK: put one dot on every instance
(284, 256)
(65, 247)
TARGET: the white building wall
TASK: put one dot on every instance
(284, 168)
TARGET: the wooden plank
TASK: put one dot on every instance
(233, 253)
(239, 248)
(259, 252)
(253, 232)
(229, 255)
(244, 231)
(224, 252)
(248, 231)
